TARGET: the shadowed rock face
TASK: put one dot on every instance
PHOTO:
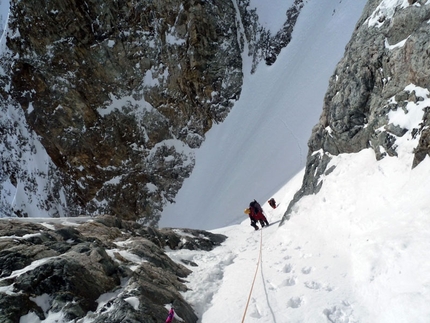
(108, 84)
(119, 93)
(385, 55)
(68, 268)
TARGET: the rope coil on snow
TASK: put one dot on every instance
(255, 275)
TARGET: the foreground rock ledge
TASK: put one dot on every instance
(57, 266)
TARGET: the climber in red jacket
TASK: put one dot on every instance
(255, 213)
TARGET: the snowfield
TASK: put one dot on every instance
(356, 252)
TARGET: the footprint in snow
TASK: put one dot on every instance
(316, 285)
(313, 285)
(340, 314)
(307, 270)
(296, 302)
(255, 314)
(254, 310)
(328, 288)
(287, 268)
(289, 282)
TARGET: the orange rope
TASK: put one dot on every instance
(255, 275)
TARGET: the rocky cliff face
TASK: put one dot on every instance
(103, 270)
(104, 101)
(386, 68)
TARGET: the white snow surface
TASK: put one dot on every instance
(263, 142)
(356, 252)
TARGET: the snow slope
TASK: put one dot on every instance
(4, 15)
(263, 142)
(356, 252)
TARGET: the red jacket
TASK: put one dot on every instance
(256, 215)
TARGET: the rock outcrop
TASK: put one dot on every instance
(104, 270)
(110, 98)
(386, 68)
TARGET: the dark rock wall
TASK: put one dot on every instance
(119, 93)
(80, 58)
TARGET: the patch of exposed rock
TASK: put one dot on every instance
(104, 270)
(263, 45)
(386, 66)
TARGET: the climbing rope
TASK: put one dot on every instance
(255, 275)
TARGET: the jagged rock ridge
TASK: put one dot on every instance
(386, 67)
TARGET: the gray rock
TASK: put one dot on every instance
(92, 265)
(368, 83)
